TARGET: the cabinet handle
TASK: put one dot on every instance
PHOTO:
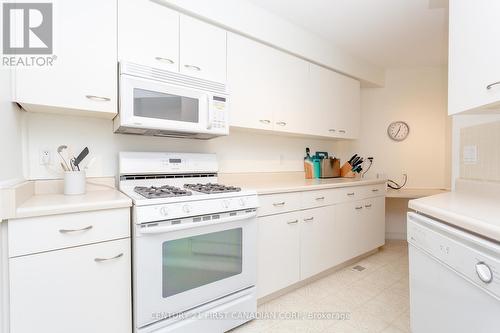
(107, 259)
(98, 98)
(281, 123)
(196, 68)
(320, 198)
(68, 231)
(368, 206)
(265, 121)
(342, 131)
(350, 194)
(276, 204)
(359, 207)
(375, 190)
(491, 85)
(165, 60)
(309, 219)
(293, 222)
(333, 130)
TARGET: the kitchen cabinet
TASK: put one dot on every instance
(267, 87)
(335, 104)
(202, 50)
(474, 69)
(83, 77)
(278, 252)
(317, 241)
(70, 290)
(148, 34)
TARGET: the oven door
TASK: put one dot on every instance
(178, 270)
(151, 104)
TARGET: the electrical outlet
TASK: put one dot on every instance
(45, 156)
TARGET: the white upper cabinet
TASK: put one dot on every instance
(335, 104)
(267, 87)
(148, 34)
(83, 77)
(202, 50)
(474, 53)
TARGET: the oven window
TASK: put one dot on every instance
(152, 104)
(196, 261)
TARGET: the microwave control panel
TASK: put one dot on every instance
(219, 112)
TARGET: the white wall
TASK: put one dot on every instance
(417, 96)
(238, 152)
(11, 168)
(248, 19)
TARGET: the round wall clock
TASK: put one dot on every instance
(398, 130)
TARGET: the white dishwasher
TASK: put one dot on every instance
(454, 279)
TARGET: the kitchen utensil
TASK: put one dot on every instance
(80, 157)
(64, 167)
(59, 151)
(352, 158)
(321, 154)
(74, 182)
(346, 171)
(330, 168)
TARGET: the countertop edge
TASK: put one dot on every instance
(313, 187)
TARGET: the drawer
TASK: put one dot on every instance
(279, 203)
(40, 234)
(347, 194)
(312, 199)
(371, 191)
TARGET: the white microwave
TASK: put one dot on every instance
(157, 102)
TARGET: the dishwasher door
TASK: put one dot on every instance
(446, 292)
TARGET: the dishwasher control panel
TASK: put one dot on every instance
(476, 259)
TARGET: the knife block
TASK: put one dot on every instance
(346, 171)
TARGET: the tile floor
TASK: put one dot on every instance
(373, 300)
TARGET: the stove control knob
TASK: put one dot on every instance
(226, 203)
(242, 202)
(484, 272)
(186, 209)
(164, 211)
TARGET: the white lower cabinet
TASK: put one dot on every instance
(317, 241)
(278, 252)
(79, 290)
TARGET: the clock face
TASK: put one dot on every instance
(398, 130)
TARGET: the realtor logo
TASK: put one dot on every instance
(27, 28)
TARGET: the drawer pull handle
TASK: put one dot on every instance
(309, 219)
(342, 131)
(332, 130)
(350, 194)
(293, 222)
(368, 206)
(98, 98)
(196, 68)
(359, 207)
(265, 121)
(165, 60)
(320, 198)
(68, 231)
(107, 259)
(491, 85)
(375, 190)
(277, 204)
(281, 123)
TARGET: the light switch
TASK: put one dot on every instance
(470, 154)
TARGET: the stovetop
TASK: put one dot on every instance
(164, 191)
(211, 188)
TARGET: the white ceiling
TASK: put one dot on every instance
(388, 33)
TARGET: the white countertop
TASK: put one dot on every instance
(270, 183)
(413, 193)
(474, 206)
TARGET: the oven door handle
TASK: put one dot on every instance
(171, 228)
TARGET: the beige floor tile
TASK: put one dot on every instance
(392, 329)
(365, 322)
(402, 322)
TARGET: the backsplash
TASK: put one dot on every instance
(480, 152)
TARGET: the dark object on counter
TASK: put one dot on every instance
(330, 168)
(80, 158)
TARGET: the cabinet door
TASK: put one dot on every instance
(373, 223)
(148, 34)
(84, 75)
(474, 55)
(70, 291)
(278, 252)
(202, 50)
(317, 241)
(349, 237)
(335, 104)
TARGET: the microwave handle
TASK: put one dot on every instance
(171, 228)
(209, 113)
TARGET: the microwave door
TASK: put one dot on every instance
(154, 105)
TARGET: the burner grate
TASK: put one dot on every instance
(211, 188)
(165, 191)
